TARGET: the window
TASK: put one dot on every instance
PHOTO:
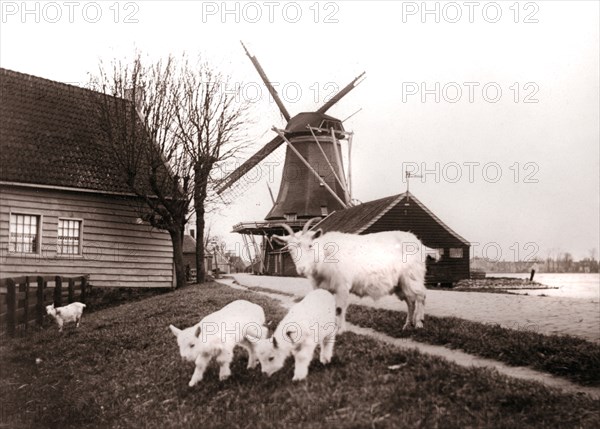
(69, 237)
(24, 233)
(324, 211)
(291, 216)
(456, 252)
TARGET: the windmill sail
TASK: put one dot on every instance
(268, 84)
(325, 107)
(312, 182)
(249, 164)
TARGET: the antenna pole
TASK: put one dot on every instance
(409, 176)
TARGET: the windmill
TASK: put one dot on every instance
(313, 180)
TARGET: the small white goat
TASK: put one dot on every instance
(68, 313)
(217, 335)
(372, 265)
(309, 323)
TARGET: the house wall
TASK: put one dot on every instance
(416, 220)
(116, 250)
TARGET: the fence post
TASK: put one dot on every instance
(10, 307)
(84, 287)
(25, 288)
(40, 300)
(57, 291)
(71, 290)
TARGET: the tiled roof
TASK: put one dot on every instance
(356, 219)
(50, 135)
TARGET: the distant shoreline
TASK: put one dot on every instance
(494, 285)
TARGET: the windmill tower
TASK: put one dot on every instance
(313, 181)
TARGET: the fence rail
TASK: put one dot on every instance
(23, 299)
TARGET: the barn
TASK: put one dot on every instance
(64, 208)
(403, 212)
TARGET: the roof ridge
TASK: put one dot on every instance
(45, 81)
(394, 200)
(437, 219)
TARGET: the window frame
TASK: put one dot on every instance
(79, 253)
(450, 253)
(40, 223)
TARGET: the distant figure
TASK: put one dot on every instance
(534, 267)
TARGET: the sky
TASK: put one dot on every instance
(495, 104)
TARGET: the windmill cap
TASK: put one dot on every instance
(299, 123)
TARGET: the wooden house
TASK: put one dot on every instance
(213, 258)
(64, 207)
(402, 212)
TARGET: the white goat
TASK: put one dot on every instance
(68, 313)
(372, 265)
(309, 323)
(217, 335)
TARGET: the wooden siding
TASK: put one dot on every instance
(117, 252)
(413, 218)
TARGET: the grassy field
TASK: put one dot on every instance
(570, 357)
(566, 356)
(121, 369)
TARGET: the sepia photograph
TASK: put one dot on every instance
(299, 214)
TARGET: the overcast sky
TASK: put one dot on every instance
(496, 104)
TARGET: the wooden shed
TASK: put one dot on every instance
(405, 212)
(64, 207)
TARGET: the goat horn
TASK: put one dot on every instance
(286, 227)
(310, 221)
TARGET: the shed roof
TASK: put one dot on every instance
(51, 136)
(357, 219)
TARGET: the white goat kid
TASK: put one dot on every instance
(309, 323)
(217, 335)
(372, 265)
(66, 314)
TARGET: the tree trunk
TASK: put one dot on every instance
(177, 240)
(200, 271)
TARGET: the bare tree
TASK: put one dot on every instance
(210, 125)
(137, 113)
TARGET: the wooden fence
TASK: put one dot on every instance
(23, 300)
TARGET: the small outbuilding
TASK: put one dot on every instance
(405, 212)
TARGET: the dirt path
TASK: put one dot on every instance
(455, 356)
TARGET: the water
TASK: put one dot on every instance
(570, 285)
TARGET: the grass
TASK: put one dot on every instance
(121, 369)
(100, 297)
(566, 356)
